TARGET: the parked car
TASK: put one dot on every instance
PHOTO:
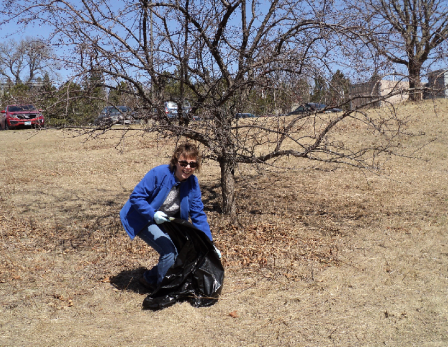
(171, 108)
(14, 116)
(245, 115)
(311, 107)
(115, 115)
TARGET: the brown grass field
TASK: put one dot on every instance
(319, 256)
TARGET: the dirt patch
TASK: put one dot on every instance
(319, 255)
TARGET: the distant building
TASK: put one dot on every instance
(437, 84)
(365, 93)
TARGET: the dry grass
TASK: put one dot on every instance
(319, 255)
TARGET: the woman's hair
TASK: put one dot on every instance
(189, 151)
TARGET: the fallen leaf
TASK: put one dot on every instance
(233, 314)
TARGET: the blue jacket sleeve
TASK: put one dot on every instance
(197, 214)
(143, 194)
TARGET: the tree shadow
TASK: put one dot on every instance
(129, 280)
(210, 197)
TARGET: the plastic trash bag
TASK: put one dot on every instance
(197, 275)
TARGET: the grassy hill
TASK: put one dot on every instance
(319, 255)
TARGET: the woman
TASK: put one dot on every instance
(166, 191)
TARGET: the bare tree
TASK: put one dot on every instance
(38, 57)
(22, 61)
(410, 33)
(11, 61)
(223, 55)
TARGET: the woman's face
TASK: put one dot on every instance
(183, 172)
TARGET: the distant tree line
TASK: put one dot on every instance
(78, 103)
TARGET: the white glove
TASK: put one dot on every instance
(217, 252)
(160, 217)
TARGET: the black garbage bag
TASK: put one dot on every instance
(197, 275)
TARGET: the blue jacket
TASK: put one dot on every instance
(150, 194)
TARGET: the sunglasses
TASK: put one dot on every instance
(185, 163)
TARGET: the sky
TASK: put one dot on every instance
(17, 33)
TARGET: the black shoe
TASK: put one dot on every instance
(149, 286)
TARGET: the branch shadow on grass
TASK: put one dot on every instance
(129, 280)
(210, 197)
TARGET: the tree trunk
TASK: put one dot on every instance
(228, 186)
(414, 83)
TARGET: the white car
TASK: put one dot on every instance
(171, 108)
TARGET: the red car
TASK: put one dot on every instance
(21, 116)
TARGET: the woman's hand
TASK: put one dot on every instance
(160, 217)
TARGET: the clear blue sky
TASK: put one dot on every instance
(17, 32)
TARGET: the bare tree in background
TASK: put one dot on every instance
(11, 61)
(410, 33)
(223, 56)
(22, 62)
(38, 58)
